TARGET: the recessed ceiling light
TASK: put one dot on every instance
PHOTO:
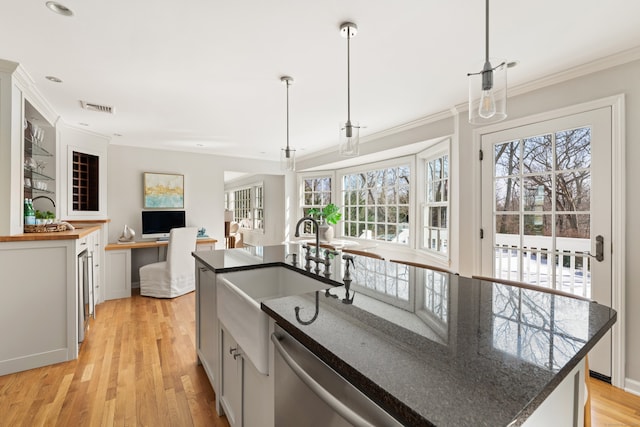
(59, 8)
(53, 79)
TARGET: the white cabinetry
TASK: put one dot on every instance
(39, 143)
(231, 381)
(243, 394)
(97, 253)
(565, 405)
(40, 306)
(246, 396)
(83, 172)
(118, 277)
(207, 323)
(206, 246)
(16, 93)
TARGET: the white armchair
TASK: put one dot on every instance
(176, 275)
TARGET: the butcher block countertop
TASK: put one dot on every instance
(78, 233)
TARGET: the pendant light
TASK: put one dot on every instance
(349, 131)
(488, 88)
(288, 154)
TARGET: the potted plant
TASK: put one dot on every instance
(326, 216)
(50, 216)
(41, 217)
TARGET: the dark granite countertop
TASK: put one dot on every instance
(433, 348)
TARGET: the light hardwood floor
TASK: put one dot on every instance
(138, 367)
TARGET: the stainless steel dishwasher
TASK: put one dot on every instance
(310, 393)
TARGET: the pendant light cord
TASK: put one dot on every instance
(287, 151)
(348, 77)
(487, 31)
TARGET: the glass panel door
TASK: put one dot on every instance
(546, 199)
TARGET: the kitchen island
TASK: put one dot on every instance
(432, 348)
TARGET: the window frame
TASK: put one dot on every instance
(438, 150)
(410, 161)
(255, 206)
(307, 229)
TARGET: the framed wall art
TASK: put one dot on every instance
(163, 190)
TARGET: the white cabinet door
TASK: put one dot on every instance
(232, 371)
(91, 278)
(97, 267)
(118, 274)
(207, 322)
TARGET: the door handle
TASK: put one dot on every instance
(599, 248)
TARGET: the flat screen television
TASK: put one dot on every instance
(158, 224)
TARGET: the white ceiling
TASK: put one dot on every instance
(204, 75)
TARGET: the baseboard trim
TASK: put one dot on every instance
(632, 386)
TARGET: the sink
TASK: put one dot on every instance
(239, 294)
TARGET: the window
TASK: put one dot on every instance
(258, 207)
(242, 206)
(435, 211)
(376, 203)
(316, 193)
(248, 206)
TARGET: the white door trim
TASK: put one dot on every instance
(618, 274)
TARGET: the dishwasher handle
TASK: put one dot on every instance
(342, 409)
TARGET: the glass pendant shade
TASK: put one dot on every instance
(288, 159)
(349, 139)
(488, 94)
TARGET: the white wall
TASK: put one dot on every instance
(203, 181)
(274, 206)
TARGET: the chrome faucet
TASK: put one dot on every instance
(308, 257)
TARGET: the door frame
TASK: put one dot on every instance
(618, 213)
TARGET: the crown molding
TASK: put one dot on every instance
(600, 64)
(619, 58)
(607, 62)
(443, 115)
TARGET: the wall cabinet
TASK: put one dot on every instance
(20, 101)
(37, 181)
(39, 145)
(83, 172)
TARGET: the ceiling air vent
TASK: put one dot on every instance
(97, 107)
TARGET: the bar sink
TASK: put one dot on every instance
(239, 294)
